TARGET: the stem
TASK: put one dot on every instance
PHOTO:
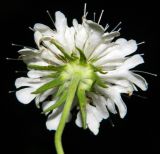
(71, 93)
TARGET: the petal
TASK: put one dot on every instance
(90, 25)
(120, 51)
(121, 41)
(47, 93)
(37, 74)
(114, 95)
(101, 48)
(28, 51)
(24, 95)
(127, 75)
(132, 62)
(138, 81)
(61, 21)
(99, 102)
(52, 47)
(49, 56)
(23, 81)
(111, 106)
(45, 30)
(53, 120)
(93, 119)
(70, 42)
(37, 38)
(47, 104)
(78, 120)
(81, 36)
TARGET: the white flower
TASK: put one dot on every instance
(79, 66)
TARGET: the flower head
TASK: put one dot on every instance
(78, 67)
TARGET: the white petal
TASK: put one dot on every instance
(78, 120)
(98, 50)
(118, 52)
(70, 44)
(111, 106)
(92, 119)
(75, 24)
(23, 81)
(114, 94)
(37, 62)
(81, 36)
(52, 47)
(47, 93)
(28, 51)
(121, 41)
(25, 96)
(47, 104)
(45, 30)
(48, 55)
(132, 62)
(128, 75)
(99, 102)
(37, 38)
(37, 74)
(139, 81)
(61, 21)
(53, 120)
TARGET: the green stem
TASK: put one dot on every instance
(65, 114)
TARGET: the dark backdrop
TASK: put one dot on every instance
(24, 130)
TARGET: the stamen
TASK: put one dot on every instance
(85, 9)
(17, 45)
(50, 17)
(143, 97)
(141, 43)
(20, 71)
(31, 29)
(100, 17)
(106, 27)
(119, 30)
(7, 58)
(145, 72)
(86, 14)
(94, 16)
(116, 26)
(11, 91)
(142, 54)
(111, 122)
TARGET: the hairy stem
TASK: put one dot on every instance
(65, 114)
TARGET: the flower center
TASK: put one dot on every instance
(84, 71)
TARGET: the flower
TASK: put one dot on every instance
(78, 67)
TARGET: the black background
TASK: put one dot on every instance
(24, 130)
